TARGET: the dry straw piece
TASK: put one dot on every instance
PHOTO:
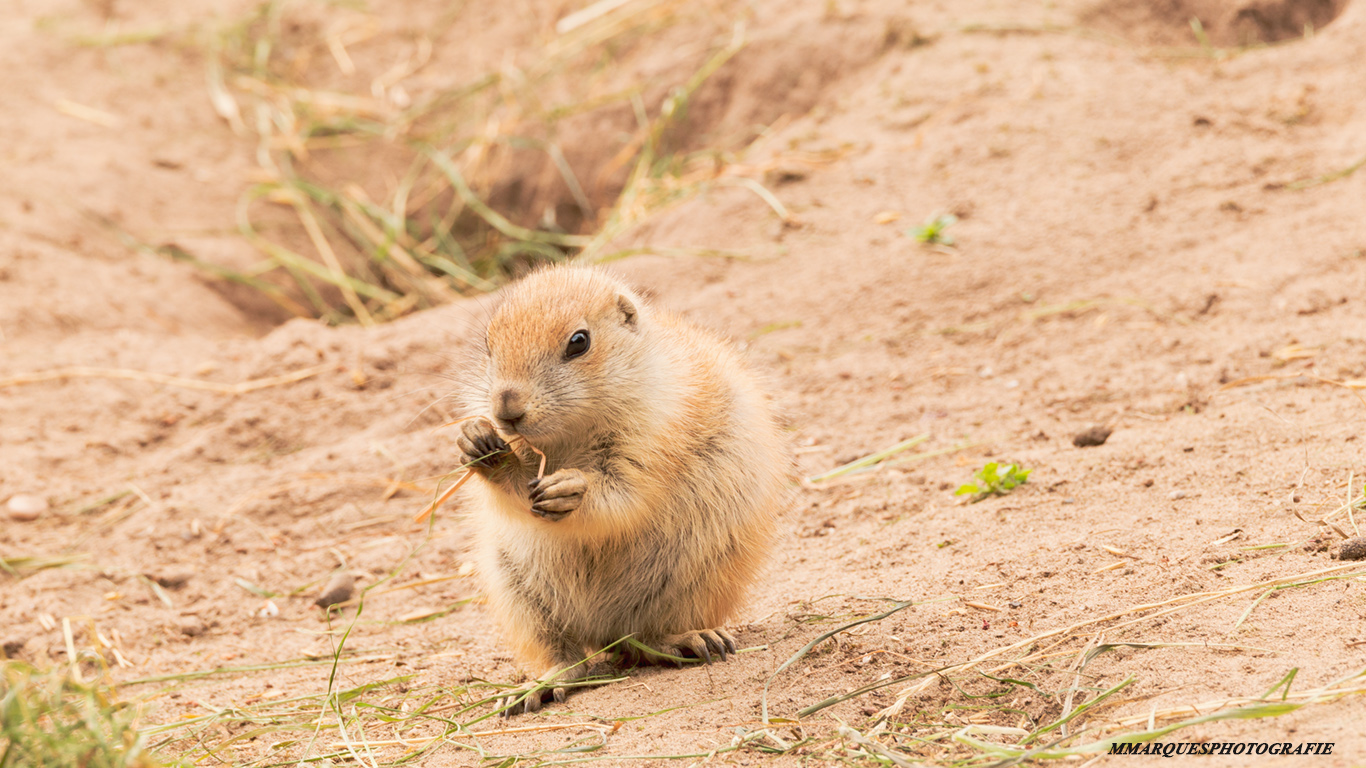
(437, 503)
(430, 509)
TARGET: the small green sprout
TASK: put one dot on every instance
(995, 479)
(935, 230)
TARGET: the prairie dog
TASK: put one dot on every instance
(665, 474)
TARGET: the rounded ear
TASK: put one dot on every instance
(628, 311)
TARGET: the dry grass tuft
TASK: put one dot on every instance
(473, 186)
(52, 718)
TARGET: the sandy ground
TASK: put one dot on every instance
(1133, 249)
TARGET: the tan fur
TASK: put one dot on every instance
(684, 471)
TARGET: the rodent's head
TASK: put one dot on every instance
(564, 340)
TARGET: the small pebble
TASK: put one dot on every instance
(1174, 495)
(338, 590)
(25, 508)
(269, 610)
(1353, 549)
(1092, 436)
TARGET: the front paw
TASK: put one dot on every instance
(557, 494)
(481, 446)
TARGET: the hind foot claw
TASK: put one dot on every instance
(535, 695)
(701, 644)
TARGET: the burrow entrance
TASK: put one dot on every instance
(1224, 22)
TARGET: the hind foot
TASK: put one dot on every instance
(549, 686)
(702, 644)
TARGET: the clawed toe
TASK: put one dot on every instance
(694, 643)
(719, 642)
(705, 645)
(481, 444)
(510, 704)
(529, 698)
(556, 495)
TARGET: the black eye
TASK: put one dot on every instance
(578, 344)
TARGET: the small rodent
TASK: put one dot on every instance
(665, 474)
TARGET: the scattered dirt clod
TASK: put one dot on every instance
(191, 626)
(171, 580)
(1353, 549)
(1092, 436)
